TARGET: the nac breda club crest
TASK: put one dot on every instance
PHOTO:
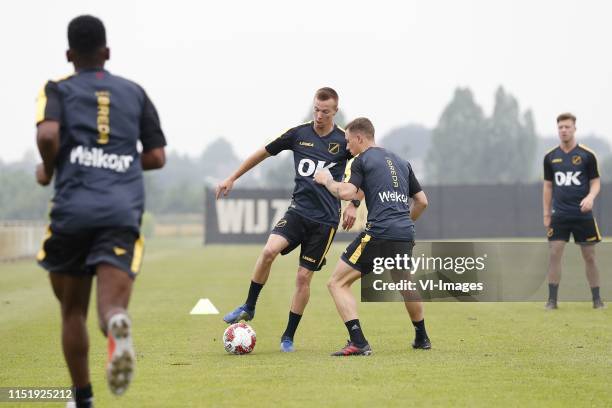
(333, 148)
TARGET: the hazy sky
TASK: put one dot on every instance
(247, 70)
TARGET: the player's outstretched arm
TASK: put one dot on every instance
(547, 202)
(47, 139)
(153, 159)
(419, 204)
(253, 160)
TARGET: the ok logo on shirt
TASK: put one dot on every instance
(568, 178)
(307, 167)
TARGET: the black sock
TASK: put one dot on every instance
(83, 396)
(354, 329)
(419, 330)
(552, 291)
(292, 324)
(595, 292)
(254, 290)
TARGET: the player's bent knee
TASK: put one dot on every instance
(269, 254)
(333, 284)
(302, 282)
(303, 278)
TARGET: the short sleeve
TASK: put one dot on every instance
(151, 134)
(48, 103)
(413, 184)
(592, 168)
(548, 171)
(283, 142)
(354, 174)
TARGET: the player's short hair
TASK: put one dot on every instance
(566, 116)
(326, 93)
(363, 126)
(86, 34)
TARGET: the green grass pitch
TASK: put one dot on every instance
(485, 354)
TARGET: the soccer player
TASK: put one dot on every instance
(571, 183)
(88, 128)
(387, 181)
(312, 217)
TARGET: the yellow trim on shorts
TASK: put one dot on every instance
(138, 252)
(41, 252)
(355, 257)
(597, 229)
(332, 232)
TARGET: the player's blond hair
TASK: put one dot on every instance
(363, 126)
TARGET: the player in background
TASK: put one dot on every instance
(389, 230)
(312, 217)
(571, 184)
(88, 127)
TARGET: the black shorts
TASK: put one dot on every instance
(315, 239)
(79, 253)
(584, 230)
(360, 253)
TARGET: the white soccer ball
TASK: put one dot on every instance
(239, 338)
